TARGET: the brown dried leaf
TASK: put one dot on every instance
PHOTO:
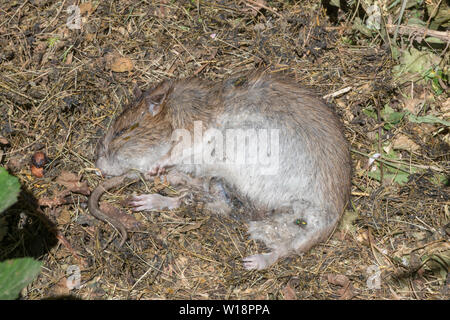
(128, 221)
(39, 159)
(3, 140)
(122, 31)
(60, 288)
(16, 162)
(69, 58)
(162, 10)
(402, 142)
(86, 7)
(67, 176)
(190, 227)
(64, 216)
(424, 130)
(288, 292)
(90, 36)
(413, 105)
(37, 172)
(347, 290)
(58, 200)
(338, 279)
(72, 182)
(121, 64)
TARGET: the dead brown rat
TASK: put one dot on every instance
(272, 142)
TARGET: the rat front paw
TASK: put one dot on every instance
(156, 170)
(153, 202)
(160, 167)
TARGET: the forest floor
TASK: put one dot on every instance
(60, 88)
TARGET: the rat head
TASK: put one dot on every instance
(139, 136)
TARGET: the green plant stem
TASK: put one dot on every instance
(390, 164)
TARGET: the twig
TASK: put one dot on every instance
(264, 7)
(408, 30)
(380, 149)
(420, 166)
(24, 3)
(433, 13)
(392, 161)
(69, 247)
(356, 11)
(337, 93)
(384, 33)
(402, 10)
(381, 161)
(5, 86)
(56, 17)
(178, 41)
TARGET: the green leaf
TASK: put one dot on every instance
(399, 177)
(440, 180)
(15, 275)
(415, 61)
(335, 3)
(361, 27)
(391, 116)
(52, 42)
(370, 113)
(9, 189)
(414, 21)
(427, 119)
(395, 117)
(434, 40)
(395, 54)
(347, 221)
(391, 154)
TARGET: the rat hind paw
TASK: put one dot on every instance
(153, 202)
(260, 261)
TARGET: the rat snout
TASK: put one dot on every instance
(100, 164)
(104, 166)
(108, 167)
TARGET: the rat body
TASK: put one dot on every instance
(271, 142)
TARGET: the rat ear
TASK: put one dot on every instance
(154, 109)
(155, 104)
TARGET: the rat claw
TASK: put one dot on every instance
(160, 171)
(250, 263)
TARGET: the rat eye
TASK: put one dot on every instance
(152, 108)
(129, 129)
(119, 133)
